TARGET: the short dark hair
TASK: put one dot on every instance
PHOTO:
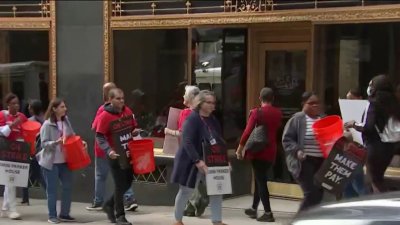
(267, 94)
(113, 91)
(9, 97)
(307, 95)
(356, 92)
(36, 106)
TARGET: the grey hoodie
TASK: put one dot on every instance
(49, 134)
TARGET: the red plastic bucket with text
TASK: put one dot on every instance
(142, 155)
(75, 153)
(30, 130)
(327, 131)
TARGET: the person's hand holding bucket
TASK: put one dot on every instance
(113, 155)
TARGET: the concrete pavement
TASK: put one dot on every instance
(36, 214)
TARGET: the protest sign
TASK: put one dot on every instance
(14, 163)
(353, 110)
(218, 180)
(171, 143)
(121, 131)
(218, 177)
(338, 169)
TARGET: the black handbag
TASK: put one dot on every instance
(258, 139)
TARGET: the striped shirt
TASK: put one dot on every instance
(311, 146)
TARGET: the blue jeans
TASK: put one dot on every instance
(356, 187)
(102, 169)
(60, 172)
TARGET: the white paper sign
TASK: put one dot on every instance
(353, 110)
(14, 173)
(218, 180)
(171, 143)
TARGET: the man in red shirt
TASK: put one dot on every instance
(10, 127)
(122, 176)
(102, 167)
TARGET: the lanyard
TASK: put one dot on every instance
(60, 132)
(208, 127)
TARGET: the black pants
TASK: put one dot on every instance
(379, 157)
(122, 182)
(35, 175)
(313, 193)
(261, 192)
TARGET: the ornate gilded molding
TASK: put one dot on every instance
(106, 37)
(53, 52)
(25, 23)
(328, 15)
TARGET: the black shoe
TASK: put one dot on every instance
(66, 218)
(122, 221)
(26, 203)
(252, 213)
(110, 213)
(130, 205)
(266, 217)
(95, 207)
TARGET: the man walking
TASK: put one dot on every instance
(102, 167)
(117, 153)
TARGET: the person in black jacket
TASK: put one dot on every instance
(383, 105)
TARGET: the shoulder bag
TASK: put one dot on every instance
(258, 139)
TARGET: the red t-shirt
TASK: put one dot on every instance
(271, 117)
(98, 152)
(16, 131)
(104, 120)
(182, 117)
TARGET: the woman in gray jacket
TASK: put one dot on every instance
(53, 133)
(303, 154)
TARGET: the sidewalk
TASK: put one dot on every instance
(36, 214)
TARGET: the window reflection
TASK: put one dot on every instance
(219, 64)
(24, 66)
(150, 66)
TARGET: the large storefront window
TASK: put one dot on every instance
(151, 67)
(351, 55)
(220, 65)
(24, 66)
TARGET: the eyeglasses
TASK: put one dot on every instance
(312, 103)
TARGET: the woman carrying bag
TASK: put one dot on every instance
(262, 158)
(189, 167)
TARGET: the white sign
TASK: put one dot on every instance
(353, 110)
(14, 173)
(171, 143)
(218, 180)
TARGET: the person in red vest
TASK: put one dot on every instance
(122, 177)
(10, 127)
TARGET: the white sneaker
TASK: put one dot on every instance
(4, 213)
(14, 215)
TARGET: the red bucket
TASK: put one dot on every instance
(142, 154)
(327, 131)
(75, 153)
(30, 130)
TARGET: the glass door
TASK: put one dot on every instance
(285, 67)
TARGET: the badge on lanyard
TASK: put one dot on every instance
(213, 141)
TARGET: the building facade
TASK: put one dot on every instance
(152, 49)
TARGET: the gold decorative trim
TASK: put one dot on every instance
(106, 37)
(53, 52)
(317, 16)
(25, 23)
